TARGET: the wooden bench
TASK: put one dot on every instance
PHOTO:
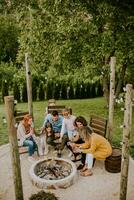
(58, 108)
(18, 117)
(99, 125)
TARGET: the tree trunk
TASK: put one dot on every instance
(29, 85)
(105, 89)
(126, 142)
(120, 82)
(111, 98)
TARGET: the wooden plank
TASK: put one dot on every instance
(18, 119)
(57, 108)
(98, 118)
(23, 149)
(21, 113)
(99, 131)
(99, 125)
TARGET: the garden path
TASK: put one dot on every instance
(102, 185)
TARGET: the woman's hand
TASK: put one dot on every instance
(77, 150)
(72, 144)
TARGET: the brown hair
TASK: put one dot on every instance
(25, 122)
(80, 119)
(48, 125)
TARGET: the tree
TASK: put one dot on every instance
(75, 40)
(8, 39)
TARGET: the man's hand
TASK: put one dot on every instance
(57, 135)
(60, 140)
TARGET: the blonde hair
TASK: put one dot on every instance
(87, 132)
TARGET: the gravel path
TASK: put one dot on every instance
(101, 186)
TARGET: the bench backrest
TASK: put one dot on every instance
(19, 116)
(99, 125)
(59, 108)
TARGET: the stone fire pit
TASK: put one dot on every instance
(52, 173)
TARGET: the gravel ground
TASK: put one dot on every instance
(101, 186)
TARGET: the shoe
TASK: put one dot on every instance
(31, 159)
(80, 167)
(84, 169)
(86, 173)
(75, 159)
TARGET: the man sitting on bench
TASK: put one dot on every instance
(56, 120)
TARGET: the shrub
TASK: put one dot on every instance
(42, 195)
(16, 92)
(41, 92)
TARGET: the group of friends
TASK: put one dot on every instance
(65, 130)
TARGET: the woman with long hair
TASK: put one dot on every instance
(95, 147)
(25, 132)
(47, 137)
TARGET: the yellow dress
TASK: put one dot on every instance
(99, 147)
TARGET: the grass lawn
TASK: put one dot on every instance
(84, 107)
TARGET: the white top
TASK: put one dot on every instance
(21, 134)
(68, 125)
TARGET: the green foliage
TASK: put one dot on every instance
(16, 91)
(57, 89)
(41, 92)
(42, 195)
(49, 89)
(35, 85)
(8, 39)
(63, 91)
(71, 92)
(68, 41)
(7, 71)
(5, 89)
(24, 93)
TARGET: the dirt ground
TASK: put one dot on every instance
(101, 186)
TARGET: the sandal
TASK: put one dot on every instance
(86, 173)
(83, 169)
(77, 158)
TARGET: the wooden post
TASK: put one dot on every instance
(111, 98)
(29, 85)
(12, 133)
(126, 139)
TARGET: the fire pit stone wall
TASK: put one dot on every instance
(63, 173)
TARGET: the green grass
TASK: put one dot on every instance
(85, 107)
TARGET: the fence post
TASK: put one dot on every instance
(12, 134)
(126, 139)
(29, 85)
(111, 98)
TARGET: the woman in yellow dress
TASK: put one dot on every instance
(95, 146)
